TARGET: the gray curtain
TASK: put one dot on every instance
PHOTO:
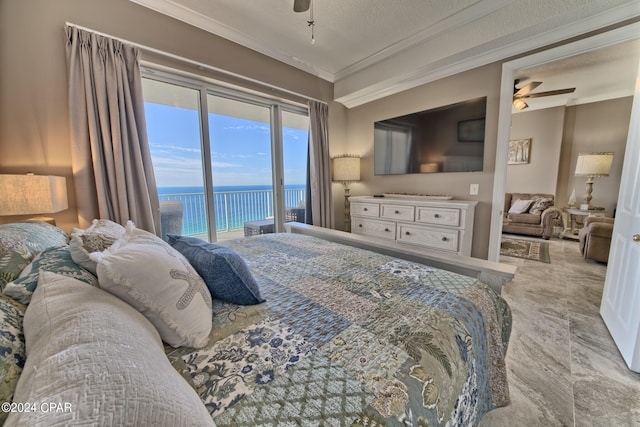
(319, 166)
(112, 168)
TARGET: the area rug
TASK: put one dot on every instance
(526, 249)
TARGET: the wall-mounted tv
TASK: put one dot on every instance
(444, 139)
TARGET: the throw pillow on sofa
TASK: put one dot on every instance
(57, 260)
(143, 270)
(224, 271)
(520, 206)
(101, 360)
(540, 204)
(99, 236)
(21, 241)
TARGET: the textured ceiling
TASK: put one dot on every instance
(346, 31)
(372, 48)
(598, 75)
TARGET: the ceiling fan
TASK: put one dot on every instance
(301, 5)
(519, 95)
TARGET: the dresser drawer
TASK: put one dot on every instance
(365, 209)
(436, 238)
(397, 212)
(438, 216)
(373, 227)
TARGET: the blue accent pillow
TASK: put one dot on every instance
(226, 274)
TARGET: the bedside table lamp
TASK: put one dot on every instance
(592, 165)
(346, 169)
(33, 194)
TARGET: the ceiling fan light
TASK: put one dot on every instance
(519, 104)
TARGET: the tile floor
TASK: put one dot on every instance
(564, 368)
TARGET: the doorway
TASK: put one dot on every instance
(509, 72)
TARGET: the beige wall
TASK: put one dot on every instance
(34, 130)
(588, 128)
(460, 87)
(559, 135)
(540, 175)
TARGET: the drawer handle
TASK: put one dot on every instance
(444, 239)
(397, 212)
(365, 209)
(436, 215)
(360, 225)
(406, 233)
(386, 229)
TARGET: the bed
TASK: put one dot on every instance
(345, 336)
(350, 337)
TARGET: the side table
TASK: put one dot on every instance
(252, 228)
(573, 218)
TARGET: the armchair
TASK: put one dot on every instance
(595, 238)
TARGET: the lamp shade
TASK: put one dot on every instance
(346, 168)
(32, 194)
(594, 164)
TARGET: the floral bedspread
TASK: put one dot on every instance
(350, 337)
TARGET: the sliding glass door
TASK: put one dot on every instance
(295, 145)
(236, 162)
(241, 163)
(173, 126)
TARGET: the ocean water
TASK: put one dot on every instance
(221, 188)
(233, 205)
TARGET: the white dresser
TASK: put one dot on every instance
(445, 225)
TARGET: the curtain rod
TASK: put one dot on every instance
(195, 63)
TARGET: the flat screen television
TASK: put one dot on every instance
(444, 139)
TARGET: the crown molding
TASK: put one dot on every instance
(403, 78)
(476, 57)
(465, 16)
(206, 23)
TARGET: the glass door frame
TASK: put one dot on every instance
(276, 108)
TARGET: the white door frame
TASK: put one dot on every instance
(509, 69)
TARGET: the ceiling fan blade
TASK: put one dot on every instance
(526, 89)
(549, 93)
(301, 5)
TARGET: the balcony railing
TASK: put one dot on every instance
(232, 208)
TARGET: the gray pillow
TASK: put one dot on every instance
(226, 274)
(100, 361)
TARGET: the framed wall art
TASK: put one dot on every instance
(471, 130)
(519, 151)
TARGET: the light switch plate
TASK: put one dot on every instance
(473, 189)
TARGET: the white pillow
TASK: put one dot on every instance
(99, 236)
(100, 360)
(520, 206)
(156, 279)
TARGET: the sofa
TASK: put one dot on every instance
(532, 214)
(595, 238)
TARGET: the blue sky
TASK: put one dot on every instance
(240, 149)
